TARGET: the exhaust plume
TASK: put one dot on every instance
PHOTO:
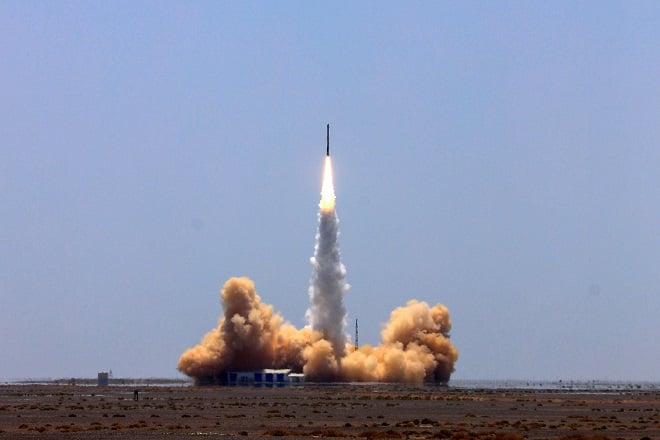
(415, 343)
(327, 313)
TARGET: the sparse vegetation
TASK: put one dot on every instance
(358, 412)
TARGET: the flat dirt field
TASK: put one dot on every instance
(324, 411)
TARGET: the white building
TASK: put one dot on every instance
(265, 377)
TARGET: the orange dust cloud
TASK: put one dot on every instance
(415, 348)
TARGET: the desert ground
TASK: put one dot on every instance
(325, 411)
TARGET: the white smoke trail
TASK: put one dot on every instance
(327, 313)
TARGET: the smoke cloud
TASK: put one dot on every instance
(249, 335)
(415, 342)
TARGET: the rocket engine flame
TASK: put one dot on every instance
(327, 202)
(415, 343)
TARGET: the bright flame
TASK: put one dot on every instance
(327, 202)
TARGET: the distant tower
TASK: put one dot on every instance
(102, 379)
(357, 344)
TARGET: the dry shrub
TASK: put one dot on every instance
(507, 436)
(279, 432)
(39, 429)
(445, 433)
(536, 425)
(417, 422)
(69, 428)
(462, 435)
(381, 434)
(585, 437)
(327, 433)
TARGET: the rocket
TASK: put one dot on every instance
(327, 138)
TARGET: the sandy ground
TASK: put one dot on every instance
(318, 411)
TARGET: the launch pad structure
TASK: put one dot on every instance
(265, 377)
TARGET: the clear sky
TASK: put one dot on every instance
(501, 158)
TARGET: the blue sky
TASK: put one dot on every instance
(499, 158)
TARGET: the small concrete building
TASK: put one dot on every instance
(103, 379)
(296, 378)
(265, 377)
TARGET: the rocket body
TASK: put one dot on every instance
(327, 139)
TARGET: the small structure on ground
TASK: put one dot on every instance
(265, 377)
